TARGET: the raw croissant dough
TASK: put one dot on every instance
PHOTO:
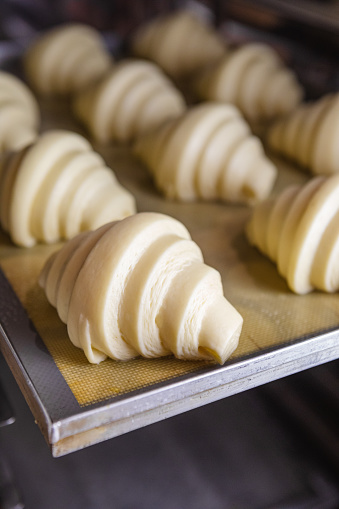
(310, 135)
(66, 59)
(179, 43)
(134, 97)
(207, 153)
(56, 188)
(252, 77)
(150, 293)
(299, 231)
(19, 113)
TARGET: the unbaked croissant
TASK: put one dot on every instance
(207, 153)
(254, 78)
(134, 97)
(309, 135)
(139, 287)
(180, 43)
(19, 113)
(57, 187)
(299, 231)
(66, 59)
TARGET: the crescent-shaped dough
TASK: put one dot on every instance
(19, 113)
(57, 187)
(299, 231)
(207, 153)
(309, 135)
(180, 43)
(66, 59)
(133, 98)
(252, 77)
(139, 287)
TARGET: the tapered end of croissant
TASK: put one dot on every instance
(215, 328)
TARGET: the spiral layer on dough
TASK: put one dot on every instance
(180, 43)
(252, 77)
(150, 293)
(19, 113)
(57, 187)
(66, 59)
(207, 153)
(299, 231)
(133, 98)
(309, 135)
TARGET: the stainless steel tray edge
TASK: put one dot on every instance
(154, 405)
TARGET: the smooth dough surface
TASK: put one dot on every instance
(65, 59)
(299, 231)
(252, 77)
(150, 293)
(57, 187)
(309, 135)
(19, 113)
(133, 98)
(208, 152)
(180, 43)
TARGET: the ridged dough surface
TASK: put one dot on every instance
(254, 78)
(134, 97)
(66, 59)
(299, 231)
(140, 287)
(19, 113)
(57, 187)
(207, 153)
(309, 135)
(180, 43)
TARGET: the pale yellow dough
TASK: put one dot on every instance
(57, 187)
(66, 59)
(180, 43)
(207, 153)
(139, 286)
(252, 77)
(134, 97)
(299, 231)
(19, 113)
(309, 135)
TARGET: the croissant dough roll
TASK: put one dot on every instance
(19, 113)
(133, 98)
(180, 43)
(254, 78)
(299, 231)
(207, 153)
(57, 187)
(66, 59)
(150, 293)
(309, 135)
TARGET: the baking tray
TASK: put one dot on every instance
(77, 404)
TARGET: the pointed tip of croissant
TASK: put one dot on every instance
(220, 331)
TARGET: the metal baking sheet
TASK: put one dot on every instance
(77, 404)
